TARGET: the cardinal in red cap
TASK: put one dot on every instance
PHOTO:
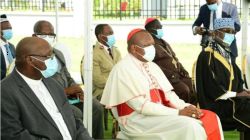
(142, 99)
(166, 58)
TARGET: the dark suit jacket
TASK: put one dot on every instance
(3, 64)
(25, 118)
(163, 58)
(228, 11)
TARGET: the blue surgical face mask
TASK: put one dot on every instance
(110, 41)
(7, 34)
(149, 53)
(159, 34)
(51, 67)
(213, 7)
(228, 38)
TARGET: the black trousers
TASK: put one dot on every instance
(97, 118)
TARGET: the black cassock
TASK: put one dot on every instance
(214, 77)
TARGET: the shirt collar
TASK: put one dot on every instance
(104, 46)
(2, 43)
(28, 80)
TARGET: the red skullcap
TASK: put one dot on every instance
(133, 32)
(149, 20)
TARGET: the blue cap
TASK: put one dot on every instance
(223, 23)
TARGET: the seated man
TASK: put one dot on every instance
(166, 59)
(219, 82)
(35, 107)
(7, 49)
(142, 100)
(105, 56)
(44, 29)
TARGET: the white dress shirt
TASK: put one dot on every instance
(47, 101)
(218, 15)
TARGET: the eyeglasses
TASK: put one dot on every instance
(43, 57)
(41, 35)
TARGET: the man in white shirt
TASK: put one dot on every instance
(144, 103)
(7, 49)
(35, 107)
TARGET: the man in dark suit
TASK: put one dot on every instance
(44, 29)
(166, 59)
(7, 49)
(212, 10)
(35, 107)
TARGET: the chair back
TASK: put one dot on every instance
(246, 70)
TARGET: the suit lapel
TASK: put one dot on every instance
(3, 64)
(27, 91)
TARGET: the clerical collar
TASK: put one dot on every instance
(28, 80)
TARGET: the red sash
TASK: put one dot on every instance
(210, 124)
(209, 119)
(156, 95)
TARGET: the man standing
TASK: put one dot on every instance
(7, 49)
(44, 29)
(219, 83)
(210, 11)
(166, 59)
(35, 107)
(142, 100)
(105, 56)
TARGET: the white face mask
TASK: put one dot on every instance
(149, 53)
(50, 39)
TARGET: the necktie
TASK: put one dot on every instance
(9, 55)
(110, 53)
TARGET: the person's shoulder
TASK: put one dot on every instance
(8, 81)
(123, 64)
(116, 50)
(12, 45)
(56, 51)
(204, 6)
(226, 4)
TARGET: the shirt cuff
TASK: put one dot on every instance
(228, 94)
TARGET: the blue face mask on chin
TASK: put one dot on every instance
(110, 41)
(228, 38)
(213, 7)
(7, 34)
(51, 67)
(159, 34)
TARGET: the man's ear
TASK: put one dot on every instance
(133, 48)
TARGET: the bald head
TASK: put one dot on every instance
(43, 26)
(30, 46)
